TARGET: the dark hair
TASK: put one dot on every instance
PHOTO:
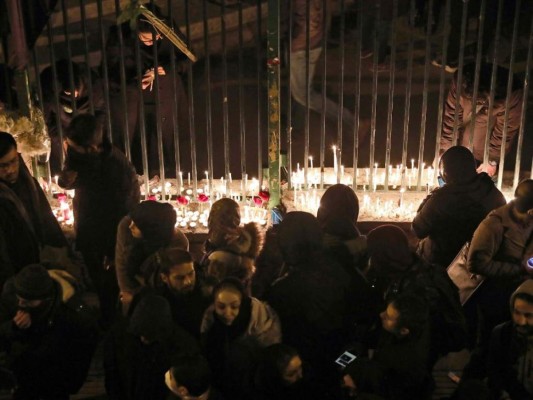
(274, 361)
(7, 142)
(485, 78)
(230, 283)
(524, 296)
(83, 128)
(413, 312)
(171, 257)
(156, 222)
(458, 164)
(63, 75)
(300, 239)
(192, 371)
(524, 196)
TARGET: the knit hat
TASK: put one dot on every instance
(151, 318)
(458, 164)
(155, 220)
(388, 246)
(34, 283)
(338, 212)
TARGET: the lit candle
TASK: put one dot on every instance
(311, 160)
(189, 178)
(206, 176)
(412, 164)
(335, 165)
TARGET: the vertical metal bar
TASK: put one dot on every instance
(307, 88)
(479, 52)
(323, 85)
(391, 91)
(207, 77)
(374, 96)
(190, 93)
(425, 96)
(64, 10)
(175, 124)
(525, 96)
(459, 85)
(105, 78)
(260, 78)
(86, 53)
(56, 88)
(225, 114)
(509, 91)
(141, 120)
(289, 95)
(493, 82)
(127, 146)
(5, 76)
(357, 105)
(273, 102)
(341, 90)
(241, 103)
(408, 83)
(442, 82)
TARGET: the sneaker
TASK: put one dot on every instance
(450, 66)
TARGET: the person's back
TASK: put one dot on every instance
(448, 217)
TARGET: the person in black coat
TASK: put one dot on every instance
(106, 190)
(49, 344)
(168, 92)
(27, 223)
(71, 101)
(139, 351)
(449, 216)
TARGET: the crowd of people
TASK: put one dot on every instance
(315, 310)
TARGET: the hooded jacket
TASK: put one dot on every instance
(510, 365)
(448, 217)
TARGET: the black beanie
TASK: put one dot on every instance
(524, 196)
(34, 283)
(459, 165)
(155, 220)
(151, 318)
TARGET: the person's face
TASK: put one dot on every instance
(135, 231)
(523, 317)
(147, 38)
(390, 321)
(293, 371)
(227, 305)
(181, 278)
(9, 166)
(93, 147)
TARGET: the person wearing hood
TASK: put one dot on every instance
(448, 216)
(27, 223)
(499, 253)
(230, 250)
(234, 328)
(141, 235)
(71, 101)
(139, 351)
(510, 366)
(106, 190)
(49, 344)
(394, 270)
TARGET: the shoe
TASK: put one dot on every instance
(450, 66)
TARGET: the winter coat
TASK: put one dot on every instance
(511, 357)
(130, 255)
(448, 217)
(106, 190)
(499, 247)
(233, 351)
(52, 356)
(136, 371)
(26, 224)
(464, 112)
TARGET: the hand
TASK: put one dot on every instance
(489, 169)
(126, 297)
(149, 76)
(22, 319)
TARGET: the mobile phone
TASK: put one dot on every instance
(345, 359)
(530, 263)
(441, 181)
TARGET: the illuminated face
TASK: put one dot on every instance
(135, 231)
(523, 317)
(181, 278)
(227, 305)
(389, 319)
(147, 38)
(9, 166)
(293, 372)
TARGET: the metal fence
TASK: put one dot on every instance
(364, 86)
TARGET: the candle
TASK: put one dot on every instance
(335, 165)
(206, 176)
(189, 178)
(412, 164)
